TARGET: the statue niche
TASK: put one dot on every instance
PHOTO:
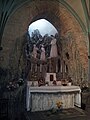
(42, 53)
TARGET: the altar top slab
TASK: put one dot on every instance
(54, 89)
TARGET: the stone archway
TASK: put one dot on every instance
(65, 23)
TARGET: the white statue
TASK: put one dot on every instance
(42, 57)
(34, 53)
(53, 52)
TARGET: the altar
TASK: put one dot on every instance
(46, 97)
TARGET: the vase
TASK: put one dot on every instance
(69, 84)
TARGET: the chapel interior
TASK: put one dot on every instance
(44, 60)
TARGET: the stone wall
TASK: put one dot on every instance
(74, 41)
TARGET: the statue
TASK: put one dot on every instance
(53, 52)
(34, 53)
(42, 57)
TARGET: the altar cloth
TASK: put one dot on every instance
(53, 89)
(73, 92)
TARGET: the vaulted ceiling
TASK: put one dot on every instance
(79, 9)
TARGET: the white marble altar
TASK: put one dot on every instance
(45, 97)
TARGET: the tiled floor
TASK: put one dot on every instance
(68, 114)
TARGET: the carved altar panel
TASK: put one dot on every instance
(46, 97)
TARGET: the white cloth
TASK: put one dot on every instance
(77, 99)
(28, 98)
(53, 89)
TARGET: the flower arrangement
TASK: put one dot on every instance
(69, 79)
(84, 87)
(54, 82)
(41, 82)
(64, 82)
(11, 86)
(46, 83)
(59, 104)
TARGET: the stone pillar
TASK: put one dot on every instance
(53, 63)
(56, 65)
(33, 67)
(38, 70)
(50, 65)
(87, 16)
(41, 67)
(43, 70)
(63, 68)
